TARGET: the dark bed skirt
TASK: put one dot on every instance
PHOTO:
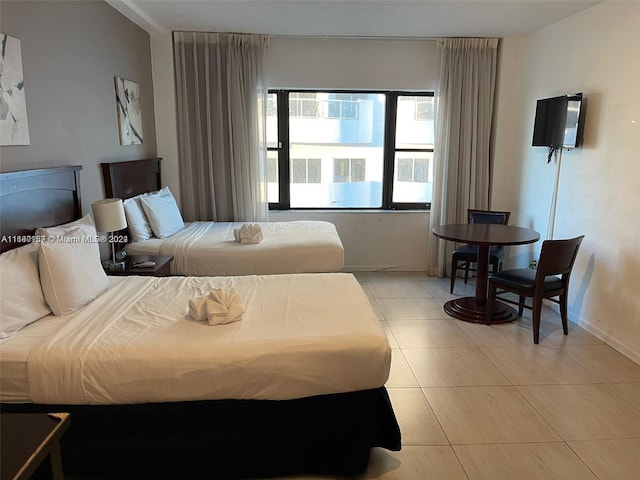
(226, 439)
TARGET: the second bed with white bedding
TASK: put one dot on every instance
(209, 249)
(301, 335)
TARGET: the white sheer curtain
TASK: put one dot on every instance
(465, 99)
(221, 102)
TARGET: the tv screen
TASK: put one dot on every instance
(558, 122)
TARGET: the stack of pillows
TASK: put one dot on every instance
(59, 273)
(153, 215)
(62, 271)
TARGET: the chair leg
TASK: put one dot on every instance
(454, 269)
(466, 272)
(494, 266)
(537, 307)
(491, 299)
(521, 305)
(563, 313)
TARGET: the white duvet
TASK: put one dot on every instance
(209, 249)
(301, 335)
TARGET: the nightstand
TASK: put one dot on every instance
(162, 267)
(31, 445)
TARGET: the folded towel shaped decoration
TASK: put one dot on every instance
(223, 306)
(198, 308)
(220, 307)
(248, 233)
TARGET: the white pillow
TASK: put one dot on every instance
(71, 273)
(139, 228)
(162, 212)
(51, 233)
(21, 301)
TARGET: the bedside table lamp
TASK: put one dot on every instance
(109, 217)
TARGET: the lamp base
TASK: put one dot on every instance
(111, 265)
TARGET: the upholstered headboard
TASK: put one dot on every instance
(37, 198)
(128, 179)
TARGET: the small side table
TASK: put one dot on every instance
(162, 268)
(30, 444)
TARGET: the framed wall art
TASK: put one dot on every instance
(14, 128)
(129, 113)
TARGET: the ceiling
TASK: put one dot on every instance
(352, 18)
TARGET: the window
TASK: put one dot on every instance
(413, 170)
(343, 105)
(350, 149)
(306, 170)
(424, 107)
(272, 168)
(304, 104)
(348, 170)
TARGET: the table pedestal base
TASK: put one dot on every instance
(467, 310)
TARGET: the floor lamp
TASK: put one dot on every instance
(109, 217)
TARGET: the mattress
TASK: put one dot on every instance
(209, 249)
(300, 336)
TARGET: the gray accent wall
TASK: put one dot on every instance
(71, 52)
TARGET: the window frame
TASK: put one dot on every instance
(389, 149)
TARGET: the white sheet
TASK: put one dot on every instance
(209, 249)
(301, 335)
(14, 354)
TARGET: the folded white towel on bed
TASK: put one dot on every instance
(198, 308)
(221, 306)
(248, 233)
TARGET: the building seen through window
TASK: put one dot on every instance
(339, 149)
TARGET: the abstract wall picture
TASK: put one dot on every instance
(129, 114)
(14, 129)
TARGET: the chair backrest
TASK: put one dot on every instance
(488, 216)
(557, 257)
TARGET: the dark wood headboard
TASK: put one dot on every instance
(128, 179)
(37, 198)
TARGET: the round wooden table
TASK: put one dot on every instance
(474, 309)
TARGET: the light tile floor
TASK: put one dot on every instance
(483, 402)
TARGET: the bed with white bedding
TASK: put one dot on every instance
(300, 336)
(209, 248)
(296, 387)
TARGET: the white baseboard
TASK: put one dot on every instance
(609, 340)
(384, 268)
(599, 334)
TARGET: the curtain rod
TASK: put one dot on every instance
(357, 37)
(342, 37)
(326, 37)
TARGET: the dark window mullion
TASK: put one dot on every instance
(426, 150)
(389, 149)
(284, 175)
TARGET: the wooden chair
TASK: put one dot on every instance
(549, 280)
(464, 256)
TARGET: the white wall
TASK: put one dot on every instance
(372, 240)
(596, 52)
(351, 63)
(375, 240)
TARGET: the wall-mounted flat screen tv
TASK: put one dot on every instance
(558, 122)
